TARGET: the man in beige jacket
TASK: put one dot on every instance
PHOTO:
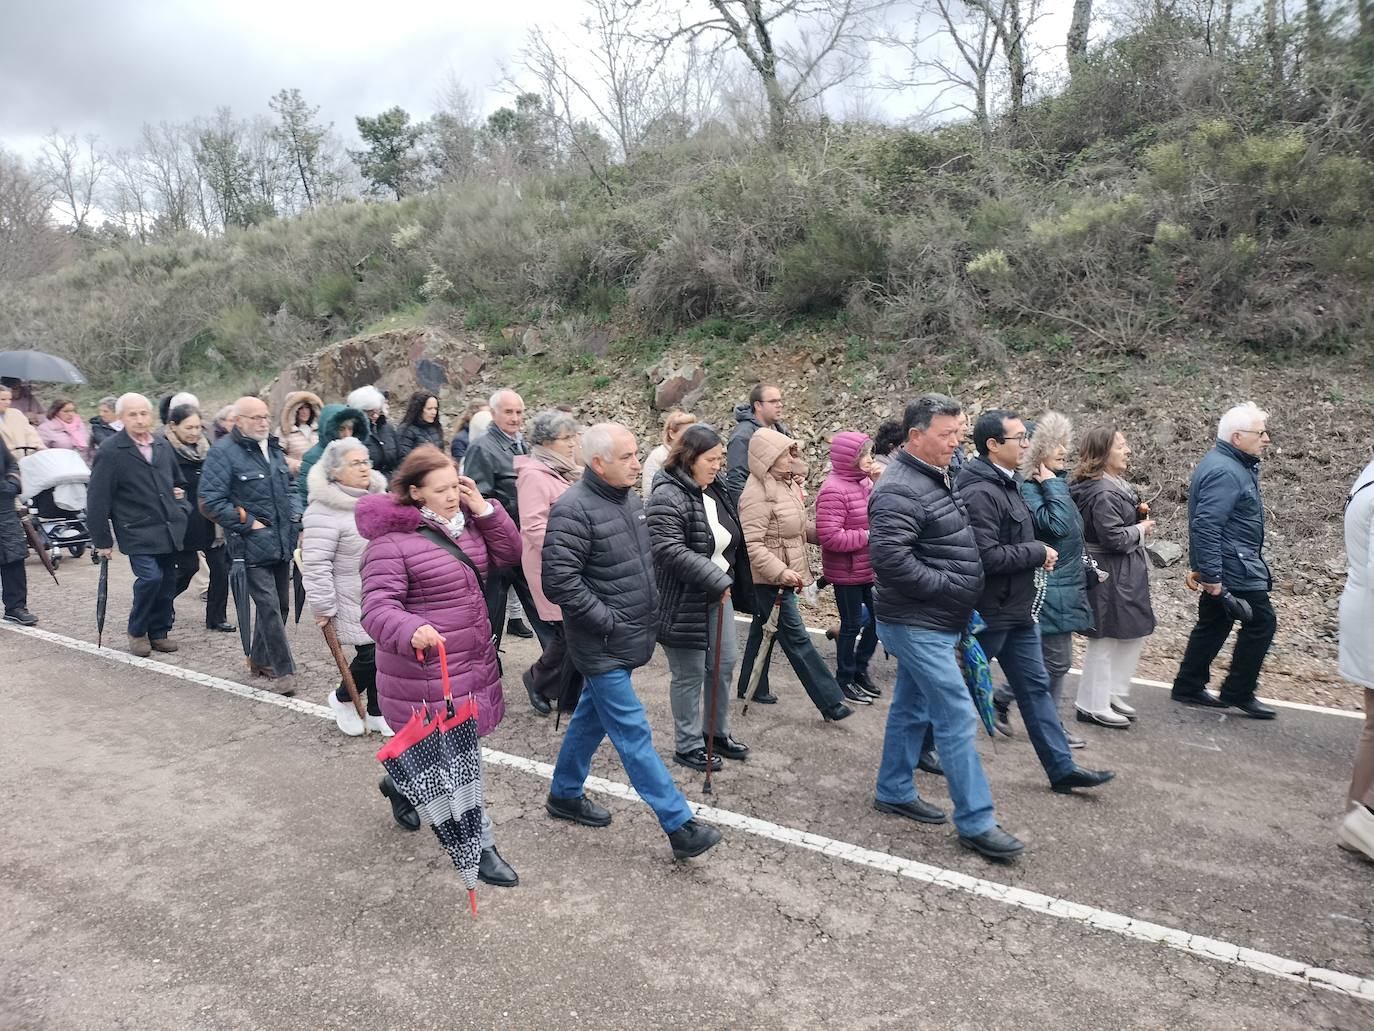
(15, 429)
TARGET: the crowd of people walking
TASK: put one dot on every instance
(411, 545)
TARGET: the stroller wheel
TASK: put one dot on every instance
(56, 555)
(77, 550)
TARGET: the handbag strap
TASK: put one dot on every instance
(451, 546)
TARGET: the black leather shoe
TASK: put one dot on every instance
(517, 628)
(22, 616)
(1002, 720)
(729, 747)
(696, 759)
(496, 871)
(221, 628)
(692, 839)
(930, 763)
(1205, 699)
(578, 810)
(856, 695)
(865, 683)
(1255, 709)
(1081, 778)
(995, 843)
(921, 812)
(540, 703)
(401, 810)
(765, 698)
(839, 712)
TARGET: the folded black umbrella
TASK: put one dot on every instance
(238, 586)
(102, 599)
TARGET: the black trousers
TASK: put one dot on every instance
(1209, 635)
(546, 676)
(500, 583)
(364, 670)
(217, 562)
(14, 585)
(269, 588)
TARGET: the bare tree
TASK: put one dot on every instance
(1224, 31)
(1273, 41)
(1079, 25)
(74, 171)
(127, 197)
(562, 93)
(798, 49)
(29, 244)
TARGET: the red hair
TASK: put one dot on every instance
(412, 472)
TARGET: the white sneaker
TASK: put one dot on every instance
(1356, 832)
(345, 716)
(379, 725)
(1120, 707)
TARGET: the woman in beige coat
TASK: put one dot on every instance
(332, 554)
(300, 426)
(773, 519)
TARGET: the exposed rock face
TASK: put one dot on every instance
(1164, 553)
(398, 362)
(678, 388)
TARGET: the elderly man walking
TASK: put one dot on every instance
(246, 487)
(136, 484)
(1226, 551)
(990, 488)
(490, 461)
(597, 567)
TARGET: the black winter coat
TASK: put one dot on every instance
(596, 567)
(414, 434)
(135, 495)
(737, 450)
(101, 431)
(1005, 533)
(680, 535)
(384, 447)
(14, 545)
(459, 447)
(926, 568)
(238, 486)
(490, 462)
(200, 532)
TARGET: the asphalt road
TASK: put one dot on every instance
(176, 855)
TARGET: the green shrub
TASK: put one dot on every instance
(837, 255)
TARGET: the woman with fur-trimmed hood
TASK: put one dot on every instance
(1064, 609)
(300, 426)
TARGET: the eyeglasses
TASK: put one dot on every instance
(1020, 438)
(1259, 433)
(772, 401)
(361, 463)
(256, 418)
(565, 439)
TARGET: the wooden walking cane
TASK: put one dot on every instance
(331, 637)
(715, 690)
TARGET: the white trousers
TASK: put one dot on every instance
(1107, 670)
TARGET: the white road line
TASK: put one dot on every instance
(1325, 710)
(1203, 947)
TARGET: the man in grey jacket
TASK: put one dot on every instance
(598, 569)
(763, 409)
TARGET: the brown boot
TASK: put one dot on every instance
(139, 646)
(163, 644)
(284, 686)
(260, 671)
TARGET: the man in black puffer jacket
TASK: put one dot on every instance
(246, 488)
(928, 575)
(990, 488)
(596, 568)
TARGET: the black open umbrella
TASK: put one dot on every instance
(102, 599)
(36, 366)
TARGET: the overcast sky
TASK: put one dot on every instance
(107, 66)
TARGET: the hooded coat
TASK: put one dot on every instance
(332, 553)
(331, 418)
(842, 513)
(772, 515)
(1356, 662)
(296, 439)
(737, 451)
(409, 581)
(1113, 536)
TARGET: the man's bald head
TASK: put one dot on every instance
(252, 418)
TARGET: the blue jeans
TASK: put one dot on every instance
(610, 708)
(858, 631)
(1022, 658)
(155, 585)
(930, 692)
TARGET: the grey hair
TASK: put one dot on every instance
(1240, 418)
(366, 399)
(920, 412)
(599, 441)
(336, 454)
(495, 400)
(124, 400)
(1052, 430)
(185, 397)
(549, 425)
(108, 401)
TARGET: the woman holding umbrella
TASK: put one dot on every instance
(432, 542)
(189, 447)
(332, 550)
(65, 429)
(696, 539)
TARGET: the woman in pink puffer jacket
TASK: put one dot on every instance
(842, 530)
(416, 593)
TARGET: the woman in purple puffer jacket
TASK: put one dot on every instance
(417, 593)
(842, 530)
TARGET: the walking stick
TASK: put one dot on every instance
(715, 690)
(331, 637)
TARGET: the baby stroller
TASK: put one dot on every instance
(54, 489)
